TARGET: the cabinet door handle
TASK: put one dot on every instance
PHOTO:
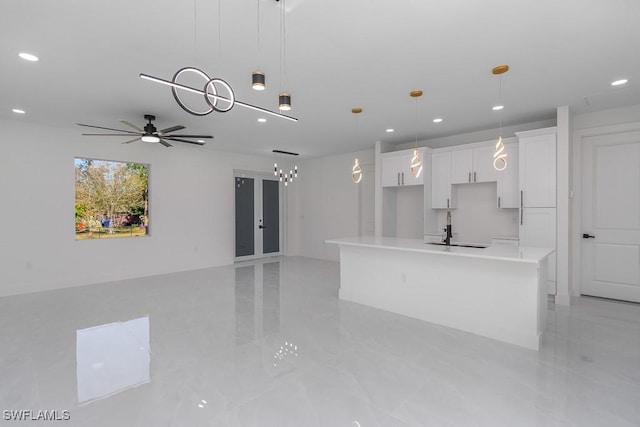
(469, 176)
(521, 207)
(447, 203)
(398, 179)
(402, 178)
(474, 177)
(498, 201)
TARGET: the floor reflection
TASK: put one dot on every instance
(257, 301)
(112, 358)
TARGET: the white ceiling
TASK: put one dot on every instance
(339, 54)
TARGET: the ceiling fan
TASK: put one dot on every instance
(150, 133)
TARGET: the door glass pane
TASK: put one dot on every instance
(244, 217)
(270, 216)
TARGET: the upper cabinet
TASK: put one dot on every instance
(537, 168)
(396, 169)
(472, 165)
(441, 197)
(508, 188)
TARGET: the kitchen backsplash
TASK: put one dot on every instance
(477, 217)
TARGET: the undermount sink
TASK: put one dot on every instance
(457, 244)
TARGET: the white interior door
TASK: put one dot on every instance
(611, 216)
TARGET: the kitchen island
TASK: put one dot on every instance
(498, 292)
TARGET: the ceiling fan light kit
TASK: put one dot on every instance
(150, 133)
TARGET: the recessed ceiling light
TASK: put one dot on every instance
(262, 120)
(498, 107)
(390, 130)
(28, 57)
(18, 111)
(438, 120)
(619, 82)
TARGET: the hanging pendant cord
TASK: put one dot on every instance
(258, 14)
(195, 31)
(284, 42)
(219, 32)
(416, 122)
(500, 115)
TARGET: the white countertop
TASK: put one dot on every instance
(501, 252)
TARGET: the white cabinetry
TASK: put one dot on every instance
(538, 169)
(472, 165)
(441, 197)
(538, 193)
(508, 187)
(396, 169)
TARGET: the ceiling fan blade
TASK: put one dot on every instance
(165, 143)
(100, 127)
(131, 125)
(193, 136)
(184, 140)
(130, 141)
(171, 129)
(106, 134)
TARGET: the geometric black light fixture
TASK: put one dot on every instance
(211, 92)
(284, 99)
(258, 80)
(258, 77)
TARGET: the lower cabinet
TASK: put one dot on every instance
(538, 229)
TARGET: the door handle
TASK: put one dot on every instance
(447, 203)
(398, 178)
(469, 176)
(402, 178)
(498, 201)
(262, 226)
(474, 177)
(588, 236)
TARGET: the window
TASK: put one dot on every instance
(112, 199)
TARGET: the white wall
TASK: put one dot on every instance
(191, 206)
(477, 219)
(326, 204)
(410, 212)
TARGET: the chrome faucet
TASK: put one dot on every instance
(447, 230)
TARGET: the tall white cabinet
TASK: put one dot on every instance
(537, 182)
(441, 190)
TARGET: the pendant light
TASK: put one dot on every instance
(285, 177)
(500, 156)
(416, 161)
(284, 99)
(258, 81)
(356, 170)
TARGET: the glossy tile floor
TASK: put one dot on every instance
(270, 344)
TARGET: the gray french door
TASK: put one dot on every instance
(258, 215)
